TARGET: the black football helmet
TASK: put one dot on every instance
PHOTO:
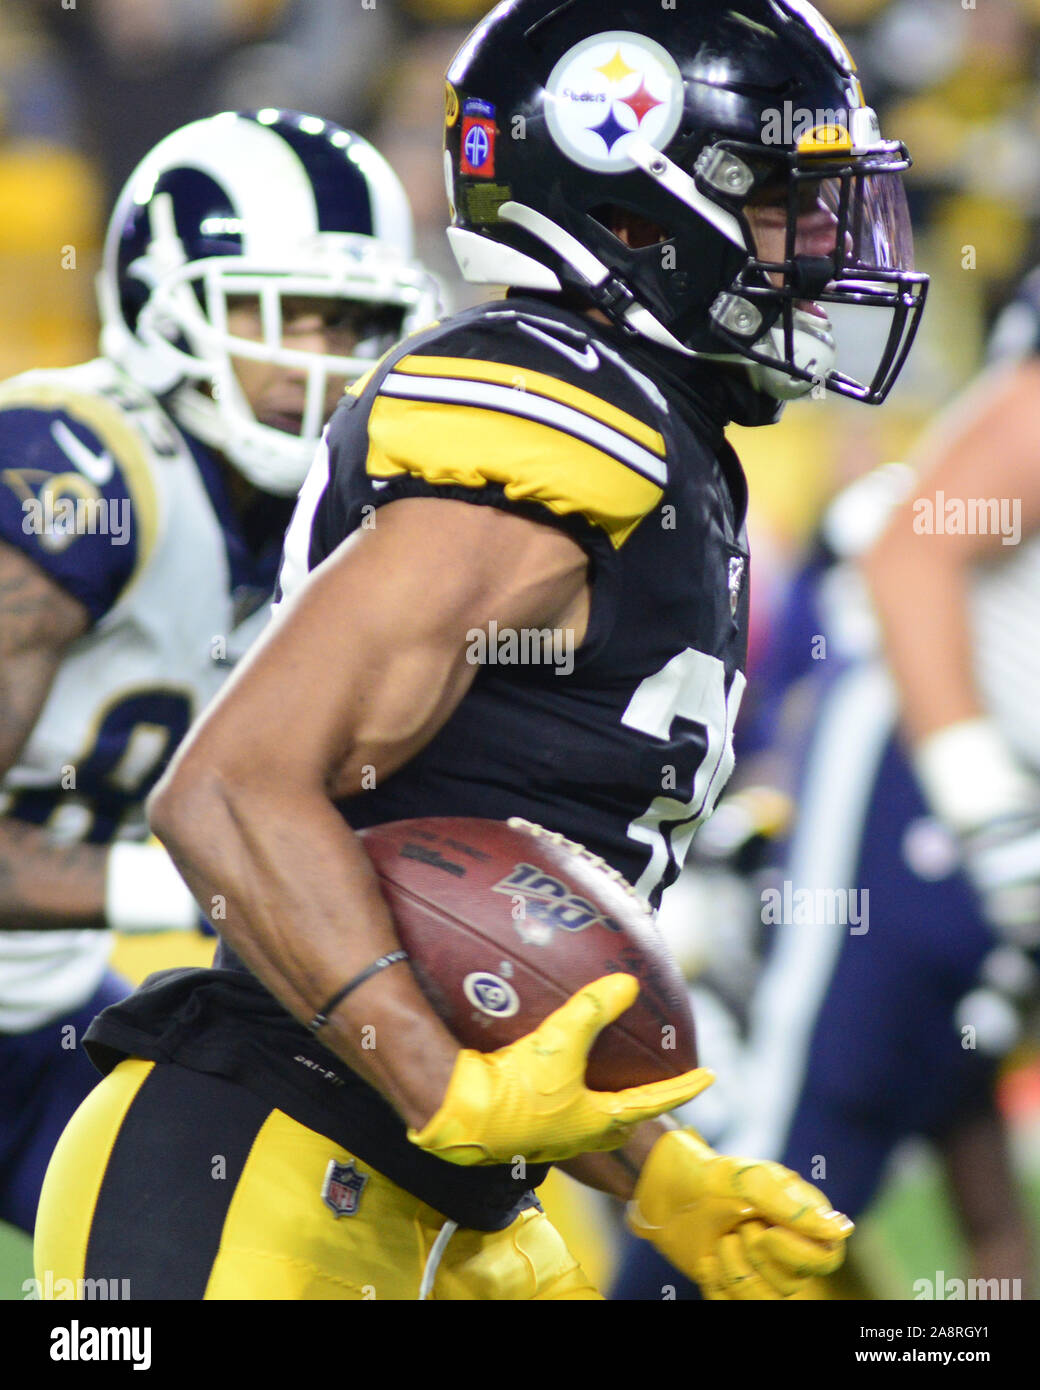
(735, 134)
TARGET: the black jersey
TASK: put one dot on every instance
(623, 743)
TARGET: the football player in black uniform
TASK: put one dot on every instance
(675, 200)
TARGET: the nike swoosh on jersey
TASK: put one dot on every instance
(97, 467)
(588, 360)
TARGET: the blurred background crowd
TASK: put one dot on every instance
(88, 86)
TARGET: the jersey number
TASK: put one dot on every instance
(691, 686)
(135, 739)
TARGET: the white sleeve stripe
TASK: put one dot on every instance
(296, 547)
(532, 407)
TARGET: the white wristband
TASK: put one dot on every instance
(144, 891)
(969, 775)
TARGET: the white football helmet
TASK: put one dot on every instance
(269, 205)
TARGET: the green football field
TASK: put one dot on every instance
(15, 1262)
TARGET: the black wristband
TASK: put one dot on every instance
(322, 1016)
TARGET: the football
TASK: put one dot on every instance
(504, 921)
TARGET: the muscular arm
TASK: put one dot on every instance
(41, 885)
(988, 445)
(359, 672)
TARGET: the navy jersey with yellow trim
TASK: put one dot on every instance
(67, 498)
(624, 743)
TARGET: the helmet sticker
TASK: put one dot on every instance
(478, 147)
(451, 105)
(607, 88)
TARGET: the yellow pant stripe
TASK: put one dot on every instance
(278, 1238)
(75, 1174)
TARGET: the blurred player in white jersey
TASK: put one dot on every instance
(965, 655)
(966, 652)
(254, 265)
(918, 792)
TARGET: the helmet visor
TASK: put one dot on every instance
(870, 207)
(832, 236)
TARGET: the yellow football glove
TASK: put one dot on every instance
(740, 1229)
(530, 1098)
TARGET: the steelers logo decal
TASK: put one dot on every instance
(491, 994)
(607, 88)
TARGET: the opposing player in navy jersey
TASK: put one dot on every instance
(554, 461)
(253, 265)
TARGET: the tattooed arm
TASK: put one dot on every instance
(41, 885)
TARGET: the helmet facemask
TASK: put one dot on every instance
(185, 322)
(845, 243)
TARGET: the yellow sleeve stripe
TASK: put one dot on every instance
(127, 448)
(455, 443)
(356, 387)
(538, 384)
(523, 404)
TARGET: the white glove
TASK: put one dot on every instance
(1002, 860)
(144, 891)
(976, 787)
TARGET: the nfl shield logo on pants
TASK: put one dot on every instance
(342, 1188)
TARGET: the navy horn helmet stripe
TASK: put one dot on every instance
(205, 219)
(275, 205)
(340, 189)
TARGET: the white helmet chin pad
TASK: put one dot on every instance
(814, 352)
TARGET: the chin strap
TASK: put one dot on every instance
(813, 345)
(813, 352)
